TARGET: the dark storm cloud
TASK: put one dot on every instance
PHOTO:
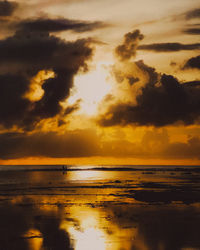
(59, 24)
(72, 144)
(55, 90)
(161, 100)
(192, 63)
(169, 47)
(7, 8)
(22, 56)
(158, 104)
(13, 106)
(195, 13)
(39, 50)
(127, 49)
(192, 31)
(30, 50)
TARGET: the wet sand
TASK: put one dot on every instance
(109, 208)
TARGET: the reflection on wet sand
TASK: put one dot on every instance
(34, 239)
(100, 210)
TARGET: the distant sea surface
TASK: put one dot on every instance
(94, 167)
(99, 207)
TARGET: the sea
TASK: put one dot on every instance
(99, 207)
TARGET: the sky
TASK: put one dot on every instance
(100, 82)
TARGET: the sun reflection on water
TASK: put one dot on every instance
(89, 239)
(59, 211)
(85, 175)
(86, 234)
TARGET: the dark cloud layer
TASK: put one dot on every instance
(158, 104)
(193, 63)
(36, 51)
(86, 143)
(195, 13)
(192, 31)
(12, 104)
(22, 56)
(190, 149)
(49, 144)
(169, 47)
(7, 8)
(59, 24)
(127, 49)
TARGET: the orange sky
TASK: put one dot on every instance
(100, 82)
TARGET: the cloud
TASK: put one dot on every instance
(7, 8)
(159, 104)
(36, 51)
(192, 31)
(86, 143)
(190, 17)
(59, 24)
(189, 149)
(133, 80)
(33, 49)
(192, 63)
(13, 106)
(155, 99)
(169, 47)
(149, 71)
(127, 49)
(157, 143)
(78, 143)
(25, 54)
(195, 13)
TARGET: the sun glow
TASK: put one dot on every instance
(90, 88)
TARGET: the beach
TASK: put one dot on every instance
(99, 207)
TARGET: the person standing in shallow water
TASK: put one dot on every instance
(64, 169)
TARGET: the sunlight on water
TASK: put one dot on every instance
(85, 233)
(100, 210)
(91, 229)
(89, 239)
(85, 175)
